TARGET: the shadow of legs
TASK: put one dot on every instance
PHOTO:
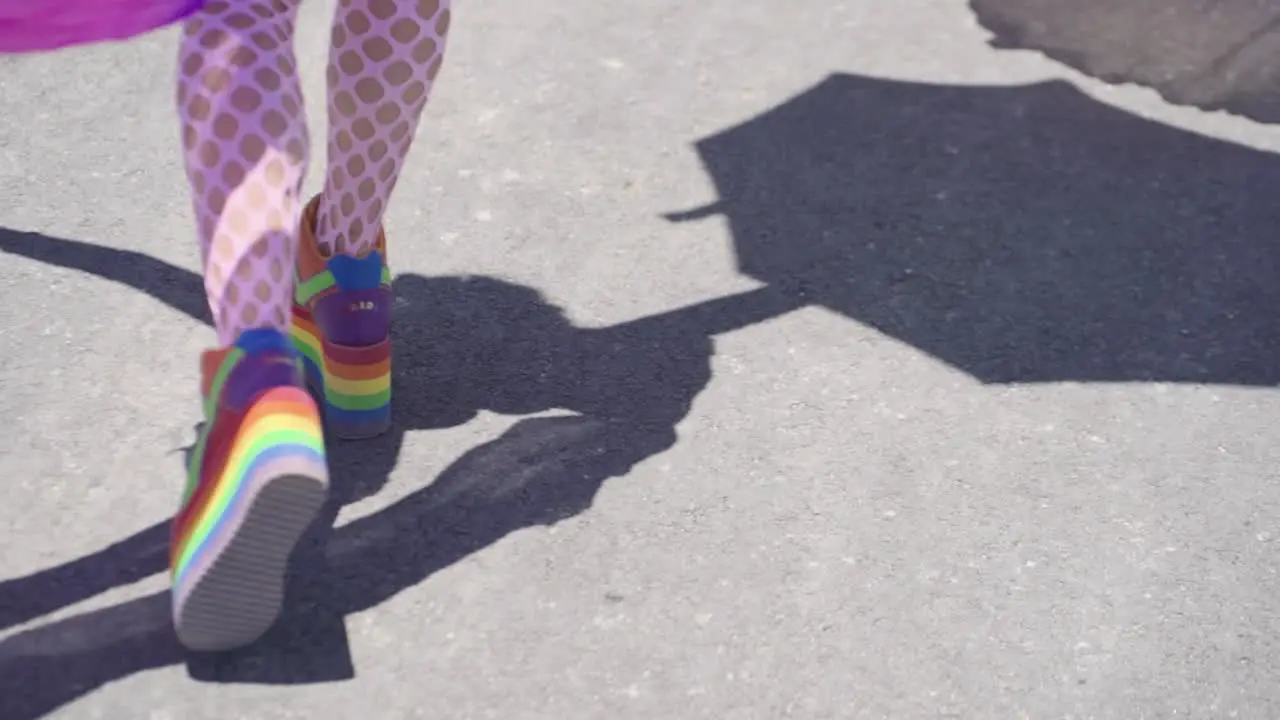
(47, 667)
(135, 558)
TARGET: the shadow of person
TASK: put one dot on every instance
(463, 345)
(1020, 234)
(538, 472)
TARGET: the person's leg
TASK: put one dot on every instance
(258, 471)
(383, 61)
(246, 148)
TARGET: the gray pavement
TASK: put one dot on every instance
(755, 360)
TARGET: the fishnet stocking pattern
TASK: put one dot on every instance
(383, 61)
(246, 143)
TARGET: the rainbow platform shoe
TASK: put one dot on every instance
(342, 329)
(256, 479)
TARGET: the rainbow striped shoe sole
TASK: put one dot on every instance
(342, 329)
(258, 479)
(353, 382)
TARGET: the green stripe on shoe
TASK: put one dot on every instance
(357, 402)
(318, 283)
(210, 404)
(322, 281)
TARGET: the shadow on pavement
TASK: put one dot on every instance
(1020, 234)
(1216, 56)
(462, 345)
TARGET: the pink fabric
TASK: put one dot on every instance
(42, 25)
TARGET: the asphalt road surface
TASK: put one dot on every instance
(754, 360)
